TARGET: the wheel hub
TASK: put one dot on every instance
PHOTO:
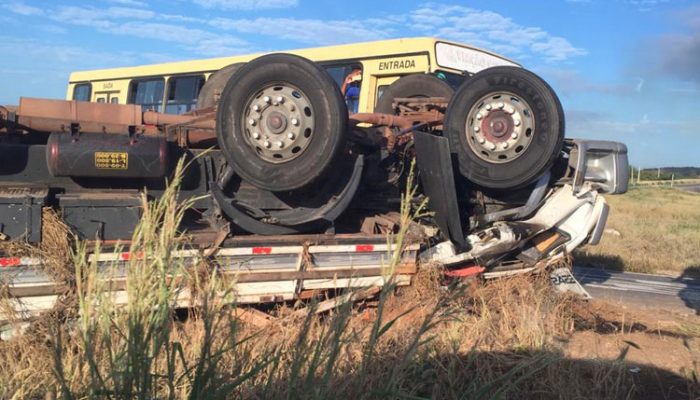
(276, 122)
(499, 127)
(279, 123)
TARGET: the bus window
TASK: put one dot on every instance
(82, 91)
(452, 79)
(182, 93)
(114, 100)
(148, 93)
(349, 79)
(380, 92)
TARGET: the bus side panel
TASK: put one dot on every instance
(390, 67)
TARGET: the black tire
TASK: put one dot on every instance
(215, 85)
(417, 85)
(330, 119)
(545, 140)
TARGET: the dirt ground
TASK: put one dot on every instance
(658, 338)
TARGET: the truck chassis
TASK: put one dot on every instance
(93, 162)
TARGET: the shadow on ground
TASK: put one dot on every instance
(690, 294)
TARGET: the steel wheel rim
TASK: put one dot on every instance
(278, 123)
(500, 127)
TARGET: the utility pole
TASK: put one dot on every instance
(672, 176)
(639, 175)
(658, 173)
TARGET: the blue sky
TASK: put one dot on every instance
(625, 70)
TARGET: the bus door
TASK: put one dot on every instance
(380, 84)
(111, 96)
(384, 71)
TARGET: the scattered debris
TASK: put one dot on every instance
(335, 302)
(254, 317)
(564, 281)
(613, 232)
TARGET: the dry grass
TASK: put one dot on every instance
(659, 233)
(503, 339)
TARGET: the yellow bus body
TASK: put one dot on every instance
(381, 62)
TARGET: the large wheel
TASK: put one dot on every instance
(417, 85)
(281, 122)
(214, 86)
(506, 125)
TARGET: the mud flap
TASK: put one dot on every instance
(437, 178)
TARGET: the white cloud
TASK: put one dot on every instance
(307, 31)
(492, 30)
(131, 3)
(246, 4)
(481, 28)
(646, 5)
(23, 9)
(120, 21)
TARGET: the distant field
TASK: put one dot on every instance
(659, 232)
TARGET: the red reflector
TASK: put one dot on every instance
(262, 250)
(127, 256)
(10, 262)
(364, 247)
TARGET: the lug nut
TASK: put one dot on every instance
(477, 129)
(488, 107)
(256, 108)
(505, 145)
(514, 135)
(279, 144)
(266, 99)
(251, 121)
(481, 140)
(256, 135)
(280, 99)
(295, 121)
(292, 108)
(516, 122)
(290, 135)
(478, 116)
(501, 105)
(266, 144)
(510, 110)
(492, 146)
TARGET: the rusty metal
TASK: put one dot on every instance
(59, 115)
(413, 112)
(197, 129)
(199, 120)
(427, 110)
(381, 120)
(75, 116)
(197, 138)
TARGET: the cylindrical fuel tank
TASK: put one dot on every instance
(107, 155)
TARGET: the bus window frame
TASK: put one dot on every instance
(75, 88)
(351, 65)
(166, 89)
(131, 96)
